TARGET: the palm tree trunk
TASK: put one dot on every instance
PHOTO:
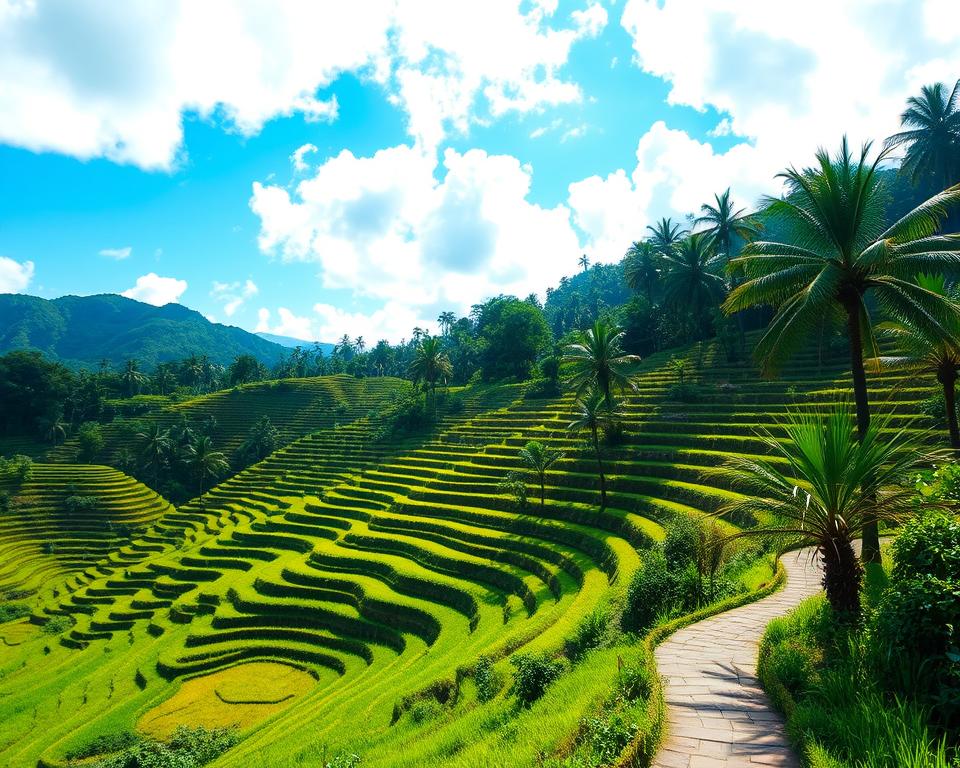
(842, 576)
(949, 381)
(201, 489)
(871, 533)
(542, 491)
(603, 478)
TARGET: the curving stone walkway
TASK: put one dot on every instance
(718, 715)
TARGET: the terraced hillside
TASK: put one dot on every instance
(382, 570)
(44, 536)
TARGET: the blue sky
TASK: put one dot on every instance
(448, 152)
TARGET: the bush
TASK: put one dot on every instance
(344, 760)
(515, 483)
(636, 681)
(4, 502)
(588, 634)
(104, 744)
(425, 710)
(685, 392)
(487, 679)
(608, 735)
(80, 505)
(15, 469)
(928, 546)
(535, 673)
(680, 544)
(651, 592)
(57, 625)
(11, 611)
(90, 438)
(187, 748)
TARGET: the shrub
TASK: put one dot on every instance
(588, 634)
(57, 625)
(90, 438)
(187, 748)
(344, 760)
(104, 744)
(608, 735)
(651, 592)
(685, 392)
(680, 544)
(636, 681)
(80, 505)
(928, 546)
(11, 611)
(515, 483)
(535, 673)
(487, 679)
(4, 502)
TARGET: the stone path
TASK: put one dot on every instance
(718, 715)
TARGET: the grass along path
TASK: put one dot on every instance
(718, 715)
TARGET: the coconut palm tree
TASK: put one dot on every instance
(132, 378)
(692, 278)
(724, 222)
(596, 361)
(430, 365)
(932, 138)
(836, 254)
(359, 344)
(593, 412)
(640, 268)
(832, 487)
(919, 351)
(154, 446)
(446, 320)
(584, 262)
(664, 235)
(53, 429)
(538, 458)
(206, 462)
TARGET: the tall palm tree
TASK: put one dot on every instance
(833, 486)
(344, 347)
(692, 278)
(664, 235)
(359, 344)
(154, 448)
(446, 320)
(724, 222)
(132, 378)
(837, 253)
(932, 138)
(430, 364)
(584, 262)
(919, 351)
(53, 428)
(592, 412)
(596, 361)
(640, 268)
(205, 461)
(538, 458)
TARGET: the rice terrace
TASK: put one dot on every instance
(548, 397)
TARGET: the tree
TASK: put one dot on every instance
(664, 235)
(163, 380)
(640, 268)
(206, 462)
(932, 137)
(31, 389)
(692, 280)
(154, 447)
(592, 412)
(538, 458)
(245, 369)
(430, 365)
(831, 487)
(836, 253)
(344, 347)
(91, 441)
(132, 379)
(262, 440)
(359, 345)
(723, 223)
(512, 335)
(446, 320)
(919, 351)
(584, 262)
(596, 361)
(53, 429)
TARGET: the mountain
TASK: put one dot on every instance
(80, 331)
(289, 342)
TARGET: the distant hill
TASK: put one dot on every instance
(80, 331)
(290, 342)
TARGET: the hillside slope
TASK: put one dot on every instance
(80, 331)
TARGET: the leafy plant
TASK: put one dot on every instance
(534, 674)
(487, 679)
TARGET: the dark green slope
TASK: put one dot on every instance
(83, 330)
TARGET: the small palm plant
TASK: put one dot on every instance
(592, 413)
(538, 459)
(205, 461)
(596, 361)
(430, 365)
(832, 487)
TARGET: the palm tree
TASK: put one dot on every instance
(205, 461)
(584, 262)
(837, 253)
(592, 412)
(53, 429)
(596, 360)
(163, 380)
(430, 364)
(692, 277)
(932, 137)
(538, 458)
(664, 235)
(359, 344)
(344, 347)
(640, 268)
(833, 486)
(446, 320)
(154, 448)
(723, 223)
(131, 378)
(919, 351)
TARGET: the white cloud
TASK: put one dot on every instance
(296, 158)
(89, 80)
(288, 325)
(14, 275)
(233, 295)
(119, 254)
(156, 290)
(384, 227)
(392, 322)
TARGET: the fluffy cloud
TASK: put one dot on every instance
(233, 295)
(14, 275)
(384, 227)
(118, 254)
(299, 164)
(392, 322)
(156, 290)
(91, 81)
(288, 325)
